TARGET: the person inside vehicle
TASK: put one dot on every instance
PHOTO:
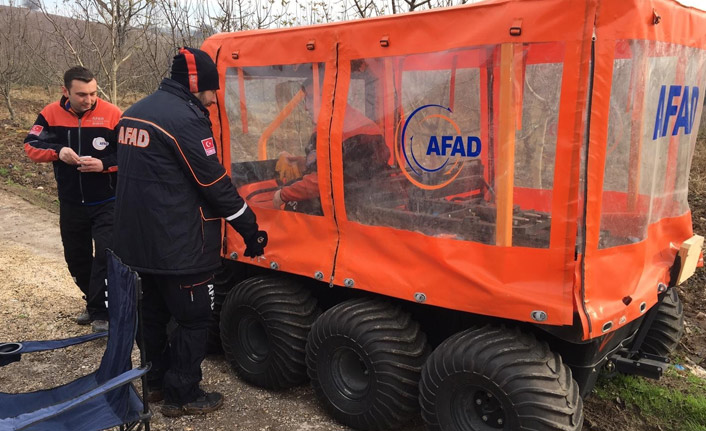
(364, 156)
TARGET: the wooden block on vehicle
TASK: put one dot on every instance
(689, 252)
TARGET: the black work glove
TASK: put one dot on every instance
(255, 245)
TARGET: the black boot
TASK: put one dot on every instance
(207, 402)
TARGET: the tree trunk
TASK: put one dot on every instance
(8, 105)
(114, 85)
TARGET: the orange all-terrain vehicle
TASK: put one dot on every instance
(472, 211)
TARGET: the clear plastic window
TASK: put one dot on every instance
(536, 139)
(422, 150)
(655, 107)
(272, 113)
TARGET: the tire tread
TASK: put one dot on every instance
(540, 387)
(397, 349)
(287, 310)
(667, 327)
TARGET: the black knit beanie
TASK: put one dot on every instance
(195, 70)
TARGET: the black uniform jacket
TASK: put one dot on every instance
(172, 190)
(88, 134)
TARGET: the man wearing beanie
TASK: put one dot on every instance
(171, 195)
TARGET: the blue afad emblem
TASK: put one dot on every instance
(437, 150)
(469, 148)
(680, 102)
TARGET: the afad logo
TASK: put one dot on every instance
(680, 102)
(437, 159)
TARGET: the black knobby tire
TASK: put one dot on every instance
(265, 321)
(493, 378)
(364, 358)
(667, 327)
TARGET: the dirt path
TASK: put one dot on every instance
(38, 301)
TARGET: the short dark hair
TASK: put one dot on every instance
(77, 72)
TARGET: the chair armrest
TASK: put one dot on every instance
(11, 352)
(38, 416)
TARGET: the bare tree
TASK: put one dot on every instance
(174, 24)
(367, 8)
(236, 15)
(446, 3)
(124, 21)
(14, 61)
(48, 61)
(102, 35)
(177, 18)
(229, 15)
(413, 5)
(65, 33)
(417, 4)
(312, 12)
(169, 23)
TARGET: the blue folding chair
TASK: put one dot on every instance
(100, 400)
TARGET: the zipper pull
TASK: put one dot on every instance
(191, 291)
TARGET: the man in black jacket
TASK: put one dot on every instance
(73, 134)
(172, 193)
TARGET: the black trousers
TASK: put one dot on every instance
(176, 358)
(81, 226)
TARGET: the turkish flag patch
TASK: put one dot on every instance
(208, 146)
(36, 130)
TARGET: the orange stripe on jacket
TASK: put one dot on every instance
(40, 155)
(180, 151)
(103, 115)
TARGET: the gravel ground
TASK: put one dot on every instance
(38, 300)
